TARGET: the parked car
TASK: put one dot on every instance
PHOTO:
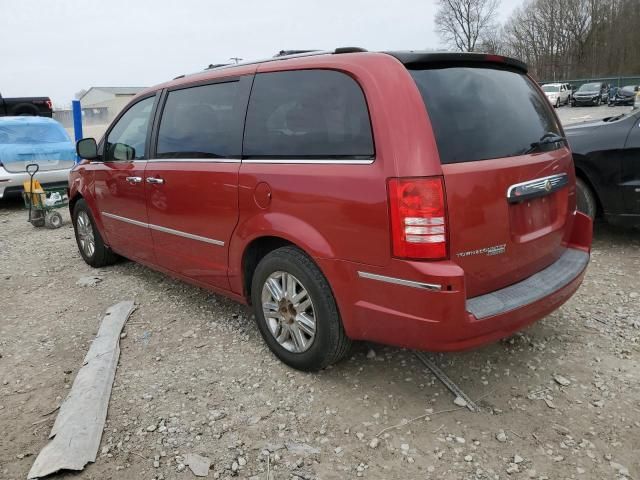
(39, 140)
(26, 106)
(557, 93)
(624, 96)
(594, 93)
(347, 196)
(607, 159)
(569, 88)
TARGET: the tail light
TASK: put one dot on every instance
(49, 104)
(418, 218)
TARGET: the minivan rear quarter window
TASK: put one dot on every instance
(480, 113)
(307, 114)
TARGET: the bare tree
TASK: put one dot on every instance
(463, 23)
(576, 38)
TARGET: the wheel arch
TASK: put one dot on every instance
(260, 234)
(254, 252)
(582, 174)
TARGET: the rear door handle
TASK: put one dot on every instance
(134, 179)
(155, 180)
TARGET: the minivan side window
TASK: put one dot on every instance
(307, 114)
(127, 138)
(199, 122)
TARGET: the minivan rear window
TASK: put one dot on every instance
(480, 113)
(307, 114)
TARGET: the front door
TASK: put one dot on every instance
(119, 186)
(631, 169)
(192, 179)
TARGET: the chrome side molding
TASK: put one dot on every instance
(536, 188)
(400, 281)
(171, 231)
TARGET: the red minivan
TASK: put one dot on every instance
(424, 200)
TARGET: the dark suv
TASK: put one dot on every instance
(594, 93)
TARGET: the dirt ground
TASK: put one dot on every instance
(561, 400)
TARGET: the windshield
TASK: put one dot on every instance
(588, 87)
(506, 117)
(32, 134)
(550, 88)
(629, 88)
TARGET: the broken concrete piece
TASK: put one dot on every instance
(198, 464)
(75, 436)
(90, 281)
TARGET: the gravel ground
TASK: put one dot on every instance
(560, 400)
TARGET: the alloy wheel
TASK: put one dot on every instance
(289, 312)
(85, 234)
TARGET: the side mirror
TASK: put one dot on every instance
(87, 148)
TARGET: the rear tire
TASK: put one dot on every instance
(586, 199)
(90, 244)
(270, 293)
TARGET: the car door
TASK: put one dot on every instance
(192, 179)
(631, 168)
(119, 188)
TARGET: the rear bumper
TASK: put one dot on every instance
(11, 183)
(431, 312)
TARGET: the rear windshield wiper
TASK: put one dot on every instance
(613, 119)
(546, 139)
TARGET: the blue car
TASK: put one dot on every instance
(40, 140)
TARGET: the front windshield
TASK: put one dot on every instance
(589, 87)
(31, 134)
(629, 88)
(550, 88)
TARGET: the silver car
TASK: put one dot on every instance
(39, 140)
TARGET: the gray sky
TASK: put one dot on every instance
(57, 47)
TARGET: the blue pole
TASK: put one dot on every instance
(77, 121)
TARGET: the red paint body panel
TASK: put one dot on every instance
(339, 215)
(113, 194)
(432, 320)
(534, 233)
(199, 199)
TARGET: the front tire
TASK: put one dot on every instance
(90, 244)
(586, 199)
(296, 311)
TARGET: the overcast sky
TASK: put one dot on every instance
(57, 47)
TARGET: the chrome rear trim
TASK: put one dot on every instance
(400, 281)
(165, 229)
(536, 188)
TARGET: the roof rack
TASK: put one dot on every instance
(217, 65)
(286, 53)
(281, 55)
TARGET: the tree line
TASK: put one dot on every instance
(558, 39)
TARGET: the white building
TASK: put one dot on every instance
(101, 104)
